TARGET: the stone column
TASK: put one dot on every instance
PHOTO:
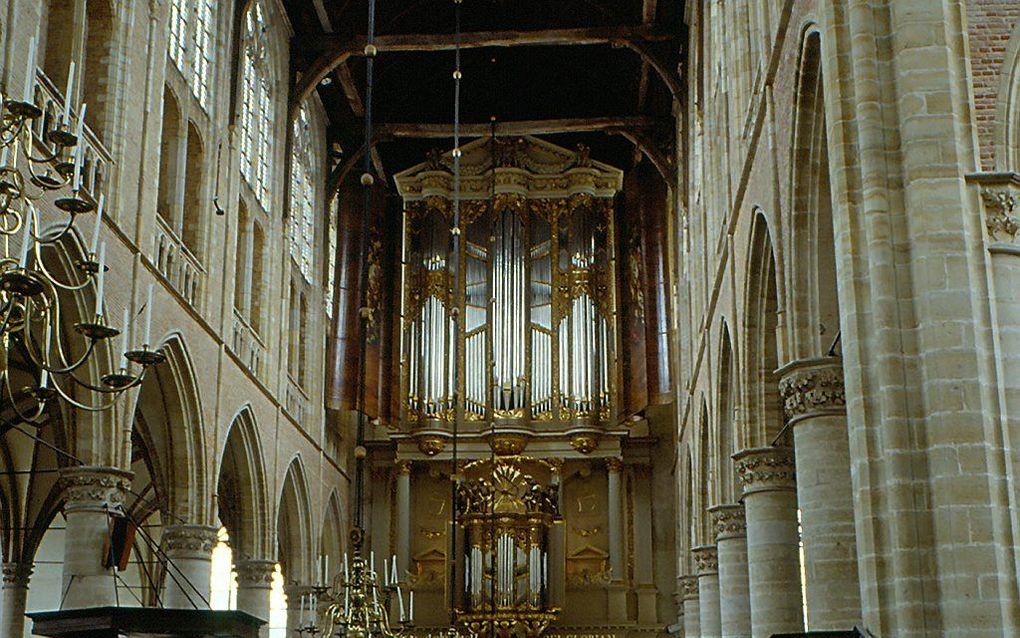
(614, 509)
(773, 546)
(692, 612)
(254, 580)
(815, 405)
(15, 594)
(707, 561)
(403, 518)
(90, 493)
(188, 549)
(734, 589)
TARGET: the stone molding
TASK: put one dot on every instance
(688, 587)
(17, 574)
(189, 541)
(254, 573)
(706, 557)
(728, 521)
(94, 487)
(766, 469)
(294, 592)
(812, 387)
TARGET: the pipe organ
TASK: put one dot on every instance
(537, 296)
(506, 515)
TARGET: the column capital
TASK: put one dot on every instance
(706, 557)
(811, 387)
(403, 467)
(614, 464)
(688, 587)
(254, 573)
(189, 541)
(766, 469)
(728, 521)
(93, 487)
(17, 574)
(999, 196)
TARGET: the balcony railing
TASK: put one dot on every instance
(175, 262)
(247, 345)
(96, 159)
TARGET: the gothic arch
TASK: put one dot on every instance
(814, 320)
(241, 493)
(168, 421)
(1007, 116)
(706, 488)
(763, 419)
(294, 526)
(725, 425)
(331, 537)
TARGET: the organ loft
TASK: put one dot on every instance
(510, 318)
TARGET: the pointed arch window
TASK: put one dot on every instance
(256, 106)
(302, 196)
(192, 45)
(334, 205)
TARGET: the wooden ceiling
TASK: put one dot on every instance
(598, 72)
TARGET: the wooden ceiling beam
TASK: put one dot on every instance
(509, 129)
(334, 51)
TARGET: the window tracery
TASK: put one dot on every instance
(257, 112)
(302, 196)
(192, 46)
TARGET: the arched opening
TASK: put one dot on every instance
(707, 489)
(725, 420)
(170, 144)
(302, 363)
(814, 290)
(257, 277)
(57, 40)
(761, 332)
(194, 193)
(242, 259)
(96, 70)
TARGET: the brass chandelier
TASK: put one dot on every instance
(33, 300)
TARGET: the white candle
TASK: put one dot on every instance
(30, 73)
(81, 122)
(325, 571)
(386, 572)
(303, 597)
(125, 339)
(76, 156)
(26, 238)
(44, 375)
(148, 318)
(67, 94)
(410, 606)
(99, 223)
(400, 599)
(102, 280)
(346, 574)
(393, 566)
(371, 561)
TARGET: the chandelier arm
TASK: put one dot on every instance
(40, 405)
(39, 360)
(137, 381)
(89, 408)
(52, 279)
(53, 155)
